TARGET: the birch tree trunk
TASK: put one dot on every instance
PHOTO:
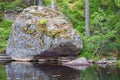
(52, 4)
(87, 18)
(34, 2)
(40, 3)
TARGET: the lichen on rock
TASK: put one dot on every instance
(42, 31)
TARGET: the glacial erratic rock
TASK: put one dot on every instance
(42, 31)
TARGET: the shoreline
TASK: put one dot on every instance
(5, 58)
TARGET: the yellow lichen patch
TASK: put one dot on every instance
(30, 31)
(56, 33)
(49, 10)
(28, 25)
(14, 32)
(37, 14)
(33, 36)
(24, 29)
(42, 29)
(59, 33)
(27, 30)
(28, 45)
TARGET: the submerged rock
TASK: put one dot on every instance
(77, 62)
(42, 31)
(102, 61)
(106, 61)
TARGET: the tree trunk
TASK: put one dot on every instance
(52, 4)
(87, 13)
(40, 3)
(34, 2)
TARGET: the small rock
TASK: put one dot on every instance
(41, 60)
(102, 61)
(56, 75)
(90, 61)
(77, 62)
(102, 65)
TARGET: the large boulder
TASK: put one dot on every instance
(42, 31)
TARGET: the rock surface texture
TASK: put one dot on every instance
(42, 31)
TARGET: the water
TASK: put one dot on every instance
(53, 71)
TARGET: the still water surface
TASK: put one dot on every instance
(53, 71)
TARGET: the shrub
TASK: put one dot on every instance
(1, 17)
(5, 28)
(43, 22)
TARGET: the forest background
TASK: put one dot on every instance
(104, 39)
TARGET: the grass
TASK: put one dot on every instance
(118, 62)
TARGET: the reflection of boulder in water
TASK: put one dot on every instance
(19, 71)
(26, 71)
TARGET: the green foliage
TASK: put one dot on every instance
(3, 74)
(71, 1)
(118, 63)
(5, 28)
(1, 17)
(117, 2)
(47, 2)
(104, 24)
(43, 22)
(107, 26)
(9, 5)
(104, 39)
